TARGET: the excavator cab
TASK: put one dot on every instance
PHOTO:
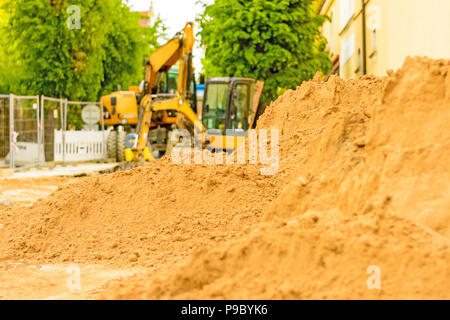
(230, 109)
(228, 105)
(166, 83)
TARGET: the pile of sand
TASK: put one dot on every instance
(365, 146)
(145, 216)
(363, 180)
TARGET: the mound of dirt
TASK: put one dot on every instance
(149, 216)
(389, 145)
(363, 181)
(318, 255)
(366, 183)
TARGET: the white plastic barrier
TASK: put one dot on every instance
(27, 153)
(71, 146)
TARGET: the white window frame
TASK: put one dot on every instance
(347, 10)
(330, 34)
(347, 51)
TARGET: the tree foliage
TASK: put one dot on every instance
(275, 41)
(47, 57)
(127, 46)
(8, 65)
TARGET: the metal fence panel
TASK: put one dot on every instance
(78, 147)
(67, 137)
(24, 131)
(4, 128)
(33, 130)
(53, 116)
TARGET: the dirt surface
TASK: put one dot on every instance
(363, 181)
(25, 192)
(57, 281)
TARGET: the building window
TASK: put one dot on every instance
(359, 62)
(373, 54)
(347, 51)
(347, 8)
(330, 35)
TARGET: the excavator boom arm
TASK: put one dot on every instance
(178, 49)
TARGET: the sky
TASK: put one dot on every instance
(175, 14)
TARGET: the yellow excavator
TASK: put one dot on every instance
(164, 86)
(229, 103)
(120, 113)
(159, 110)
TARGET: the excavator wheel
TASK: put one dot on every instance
(111, 145)
(121, 138)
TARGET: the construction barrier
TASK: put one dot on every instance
(20, 130)
(4, 128)
(73, 146)
(53, 114)
(39, 129)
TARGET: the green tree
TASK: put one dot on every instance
(127, 46)
(8, 61)
(56, 57)
(275, 41)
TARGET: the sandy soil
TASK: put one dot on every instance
(25, 192)
(57, 281)
(25, 280)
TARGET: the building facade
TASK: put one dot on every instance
(373, 36)
(148, 19)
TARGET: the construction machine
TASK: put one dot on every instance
(120, 108)
(231, 108)
(230, 104)
(163, 84)
(120, 111)
(161, 107)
